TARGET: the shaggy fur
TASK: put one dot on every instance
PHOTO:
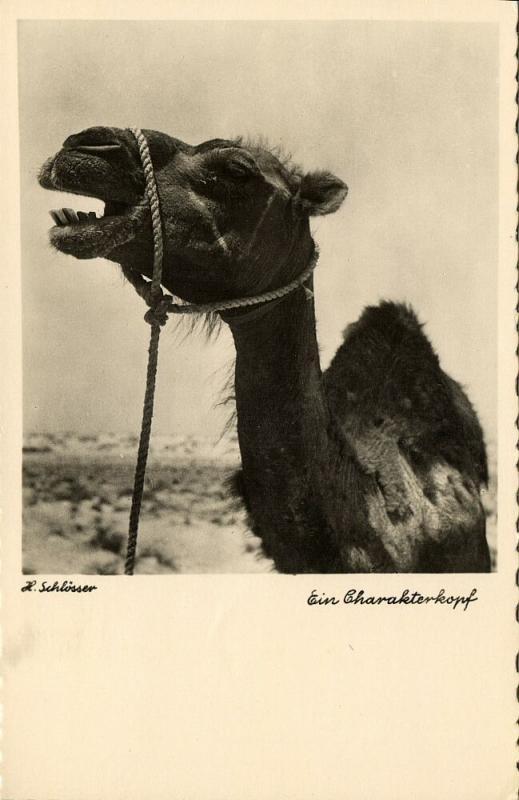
(386, 371)
(374, 466)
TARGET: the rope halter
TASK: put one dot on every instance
(160, 306)
(163, 304)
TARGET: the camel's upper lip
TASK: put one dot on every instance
(67, 217)
(55, 176)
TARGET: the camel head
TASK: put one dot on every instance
(235, 217)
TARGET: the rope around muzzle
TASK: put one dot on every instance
(160, 306)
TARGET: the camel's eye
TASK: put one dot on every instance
(241, 166)
(234, 164)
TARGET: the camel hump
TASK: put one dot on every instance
(387, 375)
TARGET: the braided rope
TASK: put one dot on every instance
(142, 455)
(156, 318)
(175, 308)
(160, 306)
(167, 306)
(153, 199)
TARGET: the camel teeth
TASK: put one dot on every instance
(60, 215)
(67, 216)
(70, 215)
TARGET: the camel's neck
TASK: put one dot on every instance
(283, 424)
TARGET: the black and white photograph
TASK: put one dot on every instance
(258, 468)
(328, 236)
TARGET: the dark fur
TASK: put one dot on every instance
(384, 372)
(387, 368)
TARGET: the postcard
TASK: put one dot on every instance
(258, 467)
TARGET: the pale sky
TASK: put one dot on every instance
(404, 112)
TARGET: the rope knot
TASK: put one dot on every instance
(158, 314)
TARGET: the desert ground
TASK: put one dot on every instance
(77, 494)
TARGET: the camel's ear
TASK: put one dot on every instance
(321, 193)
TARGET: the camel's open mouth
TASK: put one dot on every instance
(87, 234)
(68, 217)
(86, 220)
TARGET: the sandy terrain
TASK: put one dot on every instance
(77, 494)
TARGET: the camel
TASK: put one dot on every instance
(374, 466)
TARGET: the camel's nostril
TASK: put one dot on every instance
(96, 148)
(92, 137)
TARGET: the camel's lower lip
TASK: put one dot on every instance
(69, 218)
(93, 236)
(88, 224)
(91, 222)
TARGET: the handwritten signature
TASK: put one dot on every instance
(57, 586)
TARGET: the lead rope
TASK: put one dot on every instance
(156, 319)
(160, 306)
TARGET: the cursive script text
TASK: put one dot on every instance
(406, 597)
